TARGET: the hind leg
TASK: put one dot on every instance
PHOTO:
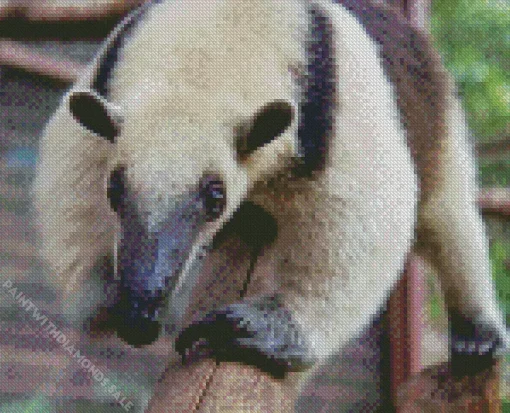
(452, 234)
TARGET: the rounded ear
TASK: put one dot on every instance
(267, 124)
(95, 114)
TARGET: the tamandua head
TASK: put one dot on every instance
(173, 184)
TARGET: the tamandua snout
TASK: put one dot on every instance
(335, 117)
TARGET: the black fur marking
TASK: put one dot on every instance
(270, 122)
(252, 223)
(114, 45)
(93, 115)
(316, 110)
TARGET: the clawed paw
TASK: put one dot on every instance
(259, 333)
(473, 346)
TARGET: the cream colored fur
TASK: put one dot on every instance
(343, 236)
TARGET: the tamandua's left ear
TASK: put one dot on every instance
(268, 123)
(95, 113)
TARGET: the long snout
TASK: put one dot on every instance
(149, 264)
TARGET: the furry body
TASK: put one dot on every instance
(389, 168)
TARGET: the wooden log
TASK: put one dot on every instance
(495, 201)
(497, 147)
(204, 386)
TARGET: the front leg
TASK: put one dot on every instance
(260, 332)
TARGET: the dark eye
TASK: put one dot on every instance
(214, 196)
(115, 190)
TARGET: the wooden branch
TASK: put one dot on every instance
(495, 201)
(16, 55)
(8, 8)
(405, 316)
(493, 148)
(65, 10)
(62, 19)
(398, 325)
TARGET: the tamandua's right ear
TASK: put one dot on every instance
(96, 114)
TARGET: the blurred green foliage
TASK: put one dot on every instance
(495, 173)
(474, 39)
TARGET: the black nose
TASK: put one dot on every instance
(138, 331)
(138, 323)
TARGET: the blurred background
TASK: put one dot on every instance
(43, 46)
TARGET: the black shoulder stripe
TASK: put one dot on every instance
(114, 44)
(318, 101)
